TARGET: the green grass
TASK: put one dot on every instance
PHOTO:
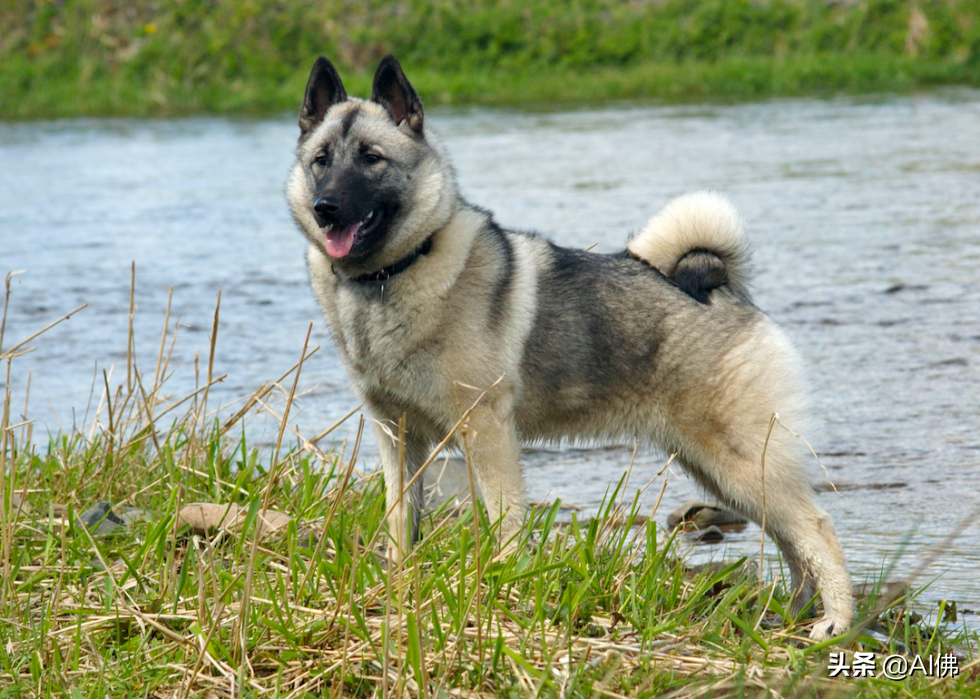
(601, 607)
(170, 57)
(733, 78)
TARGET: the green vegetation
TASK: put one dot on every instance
(162, 57)
(598, 608)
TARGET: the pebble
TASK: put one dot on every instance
(703, 515)
(708, 535)
(100, 519)
(131, 515)
(204, 517)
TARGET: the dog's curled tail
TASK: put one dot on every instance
(698, 242)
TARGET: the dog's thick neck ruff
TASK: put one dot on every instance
(394, 269)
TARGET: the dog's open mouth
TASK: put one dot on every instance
(340, 239)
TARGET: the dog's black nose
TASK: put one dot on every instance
(325, 206)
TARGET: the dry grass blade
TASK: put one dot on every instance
(6, 304)
(762, 525)
(189, 396)
(131, 340)
(263, 391)
(336, 424)
(163, 345)
(214, 340)
(10, 353)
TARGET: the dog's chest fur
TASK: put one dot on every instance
(430, 340)
(396, 347)
(380, 340)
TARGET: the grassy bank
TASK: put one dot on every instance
(308, 607)
(161, 57)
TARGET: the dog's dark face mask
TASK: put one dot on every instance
(357, 181)
(355, 204)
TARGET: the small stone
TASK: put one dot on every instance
(708, 535)
(893, 589)
(100, 519)
(272, 521)
(203, 517)
(131, 515)
(702, 515)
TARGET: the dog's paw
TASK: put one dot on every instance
(826, 628)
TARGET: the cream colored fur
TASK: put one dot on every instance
(699, 220)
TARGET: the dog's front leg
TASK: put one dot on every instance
(400, 498)
(491, 445)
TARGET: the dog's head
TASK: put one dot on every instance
(369, 184)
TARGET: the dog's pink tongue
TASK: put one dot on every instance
(340, 241)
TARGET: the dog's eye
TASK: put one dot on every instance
(320, 160)
(372, 158)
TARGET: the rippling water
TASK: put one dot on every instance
(864, 216)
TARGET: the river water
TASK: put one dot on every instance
(864, 216)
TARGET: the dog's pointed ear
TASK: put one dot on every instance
(393, 92)
(323, 90)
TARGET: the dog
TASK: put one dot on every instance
(430, 302)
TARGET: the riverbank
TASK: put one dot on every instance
(292, 597)
(728, 79)
(112, 583)
(99, 58)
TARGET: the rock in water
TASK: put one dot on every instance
(708, 535)
(701, 515)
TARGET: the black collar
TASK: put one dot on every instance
(396, 268)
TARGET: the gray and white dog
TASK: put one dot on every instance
(430, 302)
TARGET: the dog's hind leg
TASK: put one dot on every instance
(806, 537)
(804, 587)
(398, 504)
(726, 434)
(803, 531)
